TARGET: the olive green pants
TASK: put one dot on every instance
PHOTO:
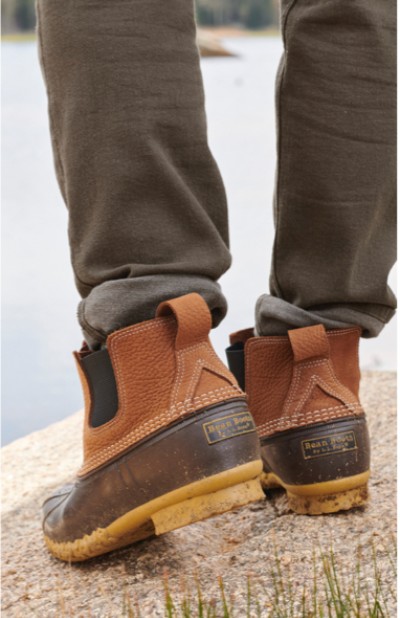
(147, 206)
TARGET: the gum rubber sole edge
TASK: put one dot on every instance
(197, 501)
(323, 498)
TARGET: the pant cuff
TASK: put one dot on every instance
(275, 316)
(116, 304)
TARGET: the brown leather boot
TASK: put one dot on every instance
(303, 394)
(168, 438)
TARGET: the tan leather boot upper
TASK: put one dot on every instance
(165, 369)
(310, 376)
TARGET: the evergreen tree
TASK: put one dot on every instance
(24, 14)
(258, 14)
(251, 13)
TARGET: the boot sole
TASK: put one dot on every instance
(191, 503)
(322, 498)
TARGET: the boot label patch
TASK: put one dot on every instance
(328, 445)
(228, 427)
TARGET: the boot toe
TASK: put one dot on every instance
(53, 507)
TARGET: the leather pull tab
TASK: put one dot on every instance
(241, 336)
(309, 342)
(193, 318)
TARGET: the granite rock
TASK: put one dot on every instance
(251, 542)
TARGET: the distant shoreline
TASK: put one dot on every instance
(18, 37)
(231, 32)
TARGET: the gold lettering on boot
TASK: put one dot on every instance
(328, 445)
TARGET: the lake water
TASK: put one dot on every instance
(40, 385)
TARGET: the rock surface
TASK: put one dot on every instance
(211, 45)
(254, 541)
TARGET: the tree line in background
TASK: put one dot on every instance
(19, 15)
(249, 13)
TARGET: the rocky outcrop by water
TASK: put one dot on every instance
(252, 544)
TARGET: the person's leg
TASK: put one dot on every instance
(335, 195)
(147, 225)
(147, 207)
(334, 247)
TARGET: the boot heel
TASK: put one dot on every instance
(320, 498)
(319, 505)
(205, 506)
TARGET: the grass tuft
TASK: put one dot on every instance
(330, 593)
(361, 585)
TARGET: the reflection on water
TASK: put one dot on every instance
(39, 300)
